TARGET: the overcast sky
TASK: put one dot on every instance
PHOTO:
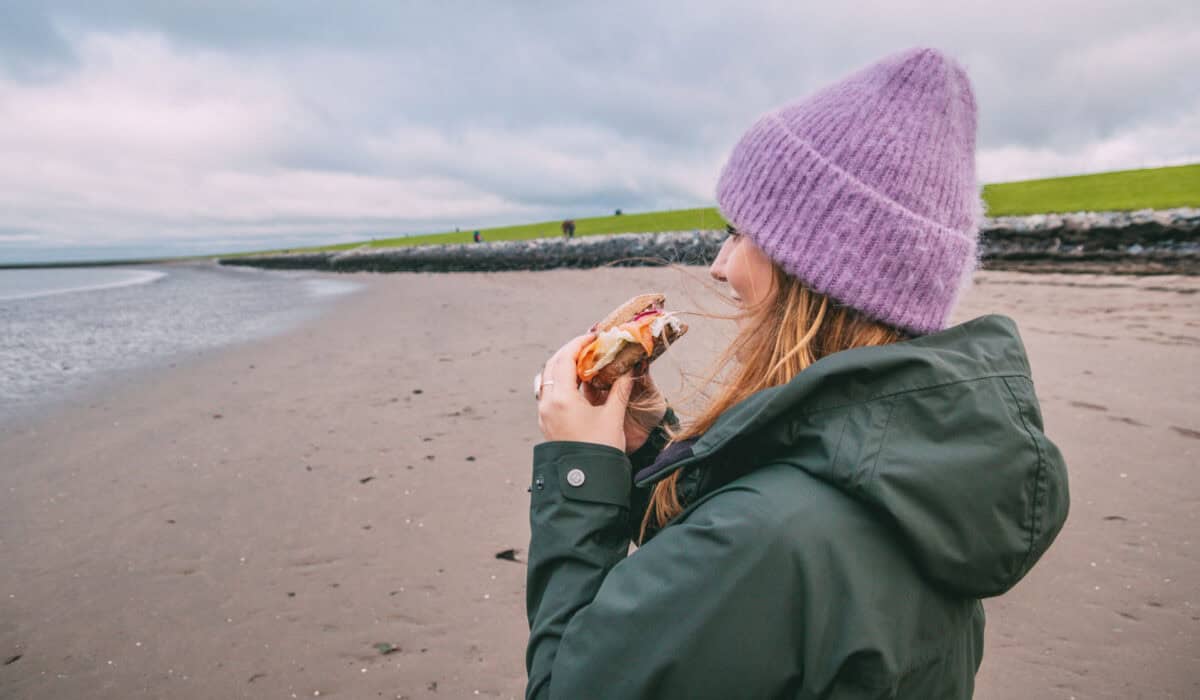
(150, 128)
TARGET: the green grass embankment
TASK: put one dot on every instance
(1152, 188)
(650, 222)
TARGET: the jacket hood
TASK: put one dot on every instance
(942, 436)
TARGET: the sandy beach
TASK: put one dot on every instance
(319, 513)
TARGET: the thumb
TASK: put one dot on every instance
(618, 396)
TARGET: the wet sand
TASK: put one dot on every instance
(254, 523)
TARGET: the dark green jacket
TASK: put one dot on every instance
(838, 534)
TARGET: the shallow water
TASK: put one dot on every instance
(64, 330)
(28, 284)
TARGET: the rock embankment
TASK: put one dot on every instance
(1135, 242)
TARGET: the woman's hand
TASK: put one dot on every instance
(565, 414)
(644, 412)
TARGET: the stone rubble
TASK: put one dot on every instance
(1138, 241)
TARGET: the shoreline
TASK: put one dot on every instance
(254, 522)
(144, 277)
(88, 376)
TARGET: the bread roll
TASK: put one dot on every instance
(631, 354)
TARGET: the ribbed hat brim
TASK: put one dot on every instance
(841, 237)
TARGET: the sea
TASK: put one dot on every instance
(64, 331)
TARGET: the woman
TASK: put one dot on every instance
(828, 525)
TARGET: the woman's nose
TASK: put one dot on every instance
(717, 269)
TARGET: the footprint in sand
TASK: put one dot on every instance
(1187, 432)
(412, 620)
(1089, 406)
(1127, 420)
(311, 561)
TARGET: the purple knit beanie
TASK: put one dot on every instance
(866, 190)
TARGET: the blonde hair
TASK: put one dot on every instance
(788, 331)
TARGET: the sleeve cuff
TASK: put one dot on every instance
(583, 471)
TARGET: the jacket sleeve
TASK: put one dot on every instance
(578, 533)
(679, 618)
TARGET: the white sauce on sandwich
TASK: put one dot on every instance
(610, 342)
(661, 322)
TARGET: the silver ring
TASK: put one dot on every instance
(539, 384)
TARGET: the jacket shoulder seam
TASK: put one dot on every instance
(910, 390)
(882, 442)
(1039, 475)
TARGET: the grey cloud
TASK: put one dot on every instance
(31, 47)
(654, 71)
(525, 109)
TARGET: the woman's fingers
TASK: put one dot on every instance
(561, 368)
(643, 384)
(594, 396)
(618, 397)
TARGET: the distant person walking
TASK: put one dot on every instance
(861, 476)
(568, 228)
(478, 237)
